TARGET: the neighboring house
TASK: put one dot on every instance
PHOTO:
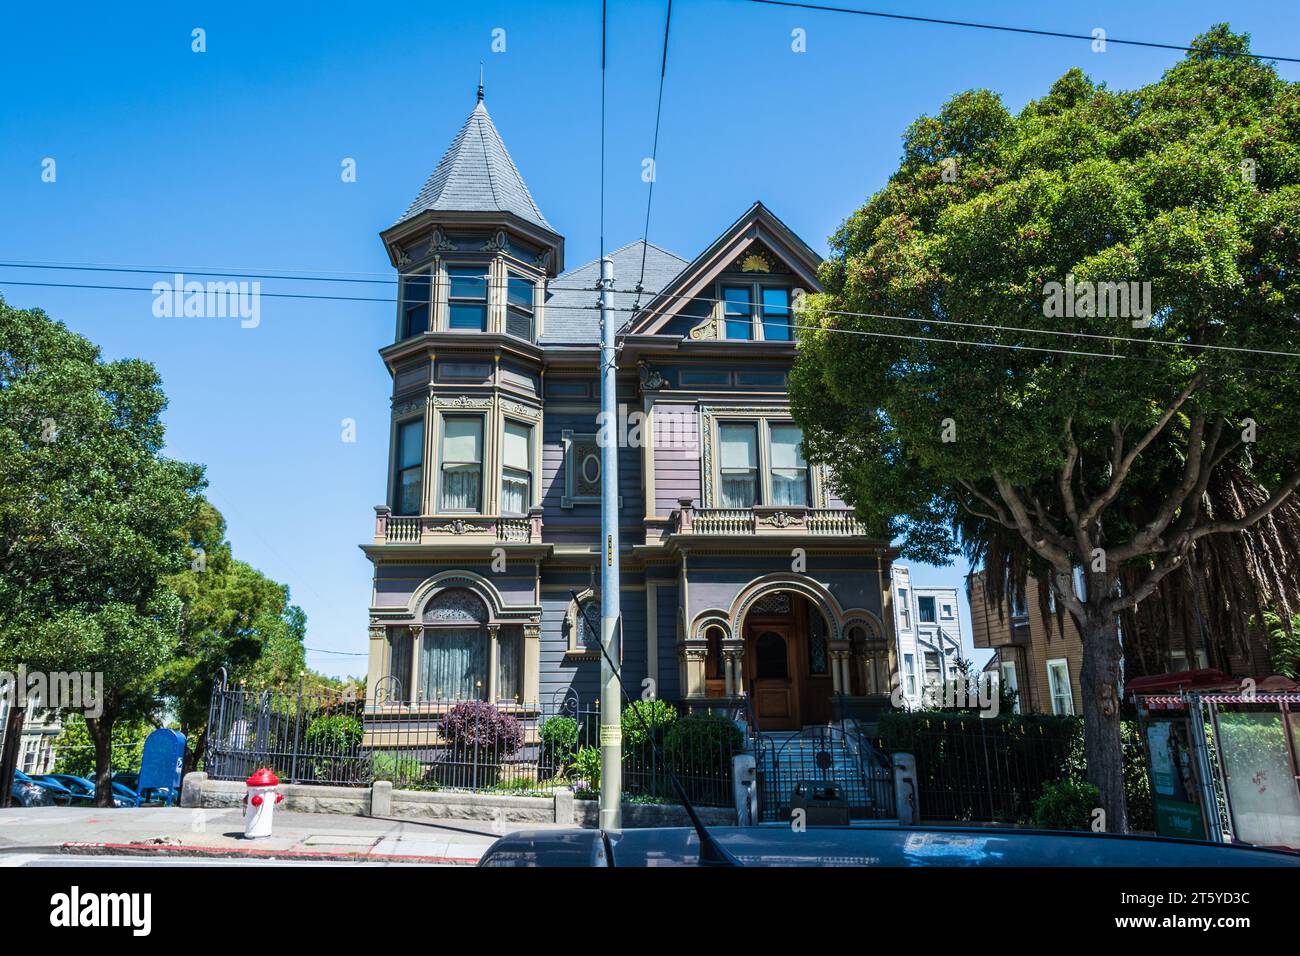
(492, 519)
(928, 625)
(1040, 661)
(41, 727)
(1039, 652)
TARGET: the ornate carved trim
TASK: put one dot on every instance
(651, 379)
(410, 405)
(439, 242)
(706, 330)
(498, 243)
(521, 410)
(462, 401)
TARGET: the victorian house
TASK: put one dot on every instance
(742, 572)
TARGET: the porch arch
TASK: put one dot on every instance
(814, 592)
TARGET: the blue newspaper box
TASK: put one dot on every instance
(160, 767)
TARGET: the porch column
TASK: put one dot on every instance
(377, 661)
(531, 690)
(417, 635)
(494, 631)
(839, 652)
(733, 654)
(692, 656)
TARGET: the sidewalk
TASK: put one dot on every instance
(160, 832)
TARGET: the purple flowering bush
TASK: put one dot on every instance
(480, 726)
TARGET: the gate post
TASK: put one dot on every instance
(905, 802)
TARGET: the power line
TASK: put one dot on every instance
(1009, 328)
(1008, 29)
(900, 318)
(288, 277)
(273, 295)
(321, 650)
(654, 149)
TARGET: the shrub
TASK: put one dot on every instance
(476, 725)
(655, 716)
(1066, 805)
(331, 744)
(703, 744)
(559, 740)
(586, 770)
(395, 767)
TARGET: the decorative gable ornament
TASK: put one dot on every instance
(706, 330)
(754, 262)
(651, 379)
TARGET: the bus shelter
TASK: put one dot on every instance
(1223, 756)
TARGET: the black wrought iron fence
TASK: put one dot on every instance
(323, 738)
(985, 770)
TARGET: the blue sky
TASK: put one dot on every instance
(231, 159)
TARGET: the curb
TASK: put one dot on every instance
(217, 852)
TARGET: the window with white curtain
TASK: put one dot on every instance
(739, 465)
(462, 463)
(516, 475)
(789, 470)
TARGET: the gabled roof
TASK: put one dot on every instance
(571, 316)
(757, 226)
(476, 174)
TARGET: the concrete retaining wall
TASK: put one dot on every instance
(382, 800)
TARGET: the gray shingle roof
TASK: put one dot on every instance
(476, 174)
(571, 317)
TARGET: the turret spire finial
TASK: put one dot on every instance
(480, 81)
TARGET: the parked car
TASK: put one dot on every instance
(60, 794)
(28, 793)
(83, 791)
(124, 796)
(868, 846)
(131, 781)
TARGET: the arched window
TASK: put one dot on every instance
(872, 655)
(713, 669)
(454, 655)
(582, 623)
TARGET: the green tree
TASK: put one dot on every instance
(1117, 463)
(233, 617)
(91, 515)
(74, 750)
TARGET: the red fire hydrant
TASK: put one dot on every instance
(259, 802)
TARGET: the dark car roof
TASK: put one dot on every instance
(872, 846)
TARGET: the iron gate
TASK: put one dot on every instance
(823, 755)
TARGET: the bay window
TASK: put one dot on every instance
(516, 473)
(462, 463)
(415, 305)
(408, 479)
(519, 307)
(739, 463)
(467, 298)
(789, 470)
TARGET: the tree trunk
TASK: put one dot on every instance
(13, 733)
(1102, 743)
(193, 754)
(101, 732)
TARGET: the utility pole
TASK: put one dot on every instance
(611, 734)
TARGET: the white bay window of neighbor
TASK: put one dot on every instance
(462, 463)
(516, 475)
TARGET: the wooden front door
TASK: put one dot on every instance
(771, 662)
